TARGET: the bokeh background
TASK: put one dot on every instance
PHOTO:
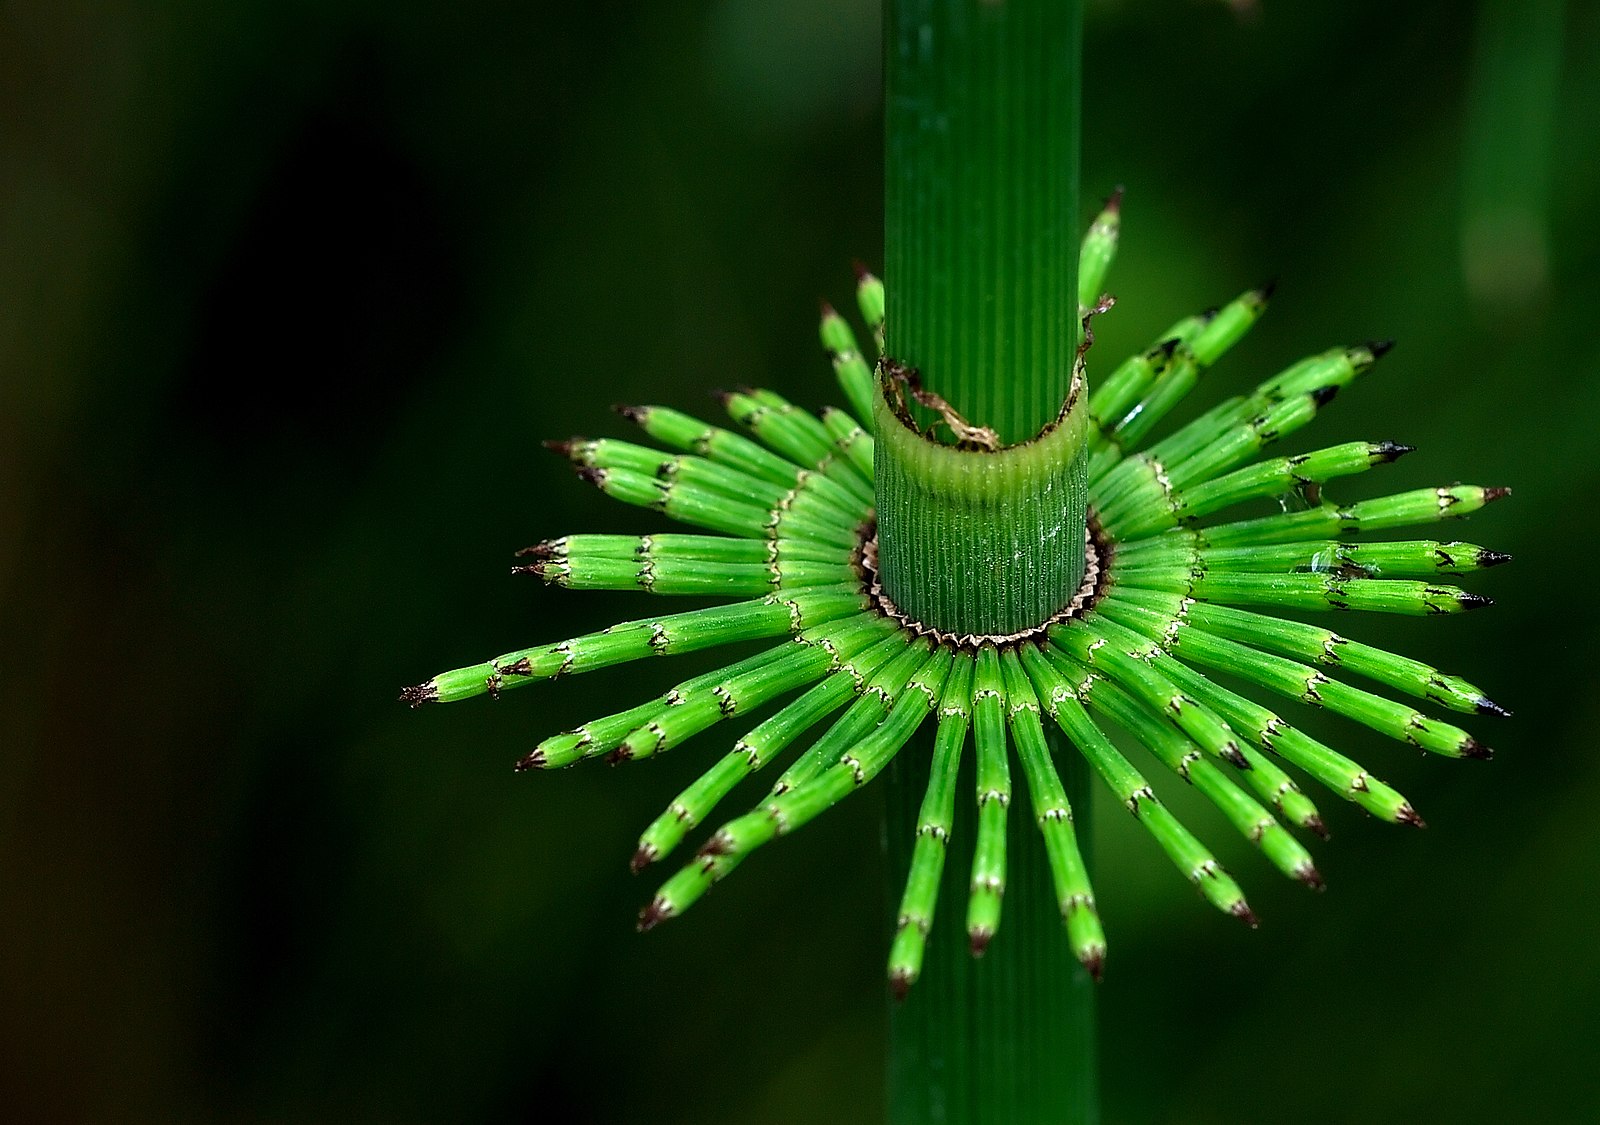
(289, 292)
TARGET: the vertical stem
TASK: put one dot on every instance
(983, 116)
(981, 202)
(981, 189)
(1008, 1039)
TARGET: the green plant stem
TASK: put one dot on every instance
(983, 115)
(981, 203)
(982, 268)
(1009, 1038)
(981, 543)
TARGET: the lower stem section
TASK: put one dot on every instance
(1008, 1039)
(981, 543)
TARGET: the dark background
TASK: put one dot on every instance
(288, 293)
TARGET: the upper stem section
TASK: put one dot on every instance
(981, 180)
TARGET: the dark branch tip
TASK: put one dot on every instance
(1379, 348)
(1476, 750)
(534, 761)
(419, 694)
(900, 982)
(1317, 827)
(1490, 495)
(658, 910)
(1405, 814)
(561, 448)
(1468, 600)
(1094, 959)
(1393, 450)
(1264, 292)
(978, 939)
(1241, 910)
(1311, 877)
(631, 413)
(643, 856)
(863, 274)
(1324, 395)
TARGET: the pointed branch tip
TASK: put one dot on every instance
(418, 695)
(1487, 706)
(1311, 877)
(1490, 495)
(1241, 910)
(900, 982)
(643, 856)
(1316, 826)
(1476, 750)
(1408, 815)
(1380, 348)
(656, 912)
(978, 940)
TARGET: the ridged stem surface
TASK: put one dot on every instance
(981, 217)
(981, 543)
(1008, 1038)
(981, 256)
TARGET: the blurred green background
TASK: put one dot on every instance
(288, 293)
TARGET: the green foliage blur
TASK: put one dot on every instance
(288, 294)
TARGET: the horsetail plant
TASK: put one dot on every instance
(1010, 563)
(798, 546)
